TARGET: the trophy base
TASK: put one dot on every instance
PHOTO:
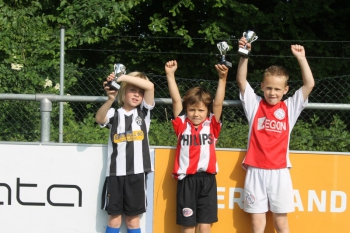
(226, 63)
(113, 85)
(243, 52)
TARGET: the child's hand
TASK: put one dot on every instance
(110, 93)
(170, 66)
(222, 70)
(298, 51)
(242, 43)
(110, 77)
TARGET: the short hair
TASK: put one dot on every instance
(277, 71)
(196, 95)
(121, 91)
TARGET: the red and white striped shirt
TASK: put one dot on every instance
(270, 127)
(195, 150)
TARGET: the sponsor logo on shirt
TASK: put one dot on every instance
(197, 139)
(271, 125)
(129, 136)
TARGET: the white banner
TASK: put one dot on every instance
(53, 188)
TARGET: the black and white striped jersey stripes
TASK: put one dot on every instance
(128, 145)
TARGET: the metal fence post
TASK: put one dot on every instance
(45, 110)
(60, 139)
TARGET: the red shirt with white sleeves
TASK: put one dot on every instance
(270, 127)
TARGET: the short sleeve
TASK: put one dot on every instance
(110, 114)
(295, 105)
(250, 102)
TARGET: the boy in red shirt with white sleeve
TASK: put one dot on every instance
(268, 185)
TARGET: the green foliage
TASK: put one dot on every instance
(233, 135)
(85, 131)
(162, 134)
(20, 129)
(310, 136)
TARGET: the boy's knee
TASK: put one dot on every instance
(281, 223)
(115, 221)
(204, 227)
(258, 222)
(132, 222)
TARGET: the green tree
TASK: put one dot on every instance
(143, 35)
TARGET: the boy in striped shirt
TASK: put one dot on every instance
(197, 125)
(129, 157)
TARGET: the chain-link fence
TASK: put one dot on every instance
(20, 120)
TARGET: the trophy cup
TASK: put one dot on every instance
(251, 37)
(223, 48)
(119, 70)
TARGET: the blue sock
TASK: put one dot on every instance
(112, 230)
(138, 230)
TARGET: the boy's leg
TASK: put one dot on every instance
(258, 222)
(114, 221)
(256, 202)
(186, 201)
(135, 201)
(187, 229)
(204, 227)
(112, 201)
(281, 223)
(132, 222)
(281, 198)
(207, 201)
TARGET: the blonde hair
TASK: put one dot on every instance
(277, 71)
(121, 92)
(196, 95)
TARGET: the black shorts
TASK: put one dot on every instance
(197, 200)
(125, 194)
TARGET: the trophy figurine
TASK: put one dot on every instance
(119, 70)
(251, 37)
(223, 48)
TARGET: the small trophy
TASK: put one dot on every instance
(119, 70)
(223, 48)
(251, 37)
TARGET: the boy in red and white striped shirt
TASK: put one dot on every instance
(197, 125)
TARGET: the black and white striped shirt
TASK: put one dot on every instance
(128, 145)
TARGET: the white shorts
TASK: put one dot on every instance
(266, 190)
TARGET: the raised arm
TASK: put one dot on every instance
(242, 69)
(101, 114)
(220, 91)
(170, 68)
(308, 79)
(141, 83)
